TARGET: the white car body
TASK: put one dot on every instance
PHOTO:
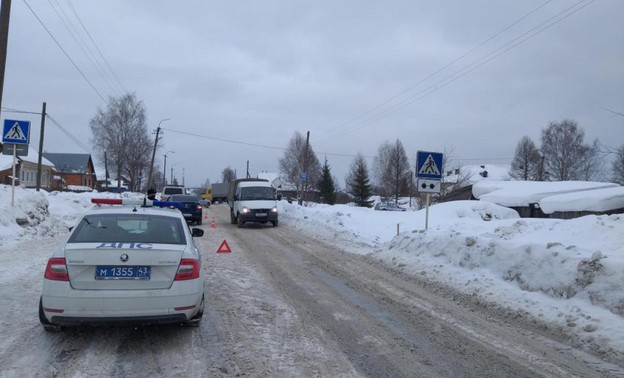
(151, 275)
(252, 201)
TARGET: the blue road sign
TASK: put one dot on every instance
(17, 132)
(304, 176)
(429, 165)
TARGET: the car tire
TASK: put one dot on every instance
(47, 326)
(196, 320)
(275, 223)
(232, 217)
(199, 221)
(239, 221)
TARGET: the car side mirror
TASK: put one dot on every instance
(279, 197)
(197, 232)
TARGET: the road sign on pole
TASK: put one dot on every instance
(429, 165)
(17, 132)
(429, 171)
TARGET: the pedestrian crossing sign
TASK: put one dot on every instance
(17, 132)
(429, 165)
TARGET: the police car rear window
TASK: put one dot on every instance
(121, 228)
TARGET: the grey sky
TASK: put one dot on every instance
(257, 71)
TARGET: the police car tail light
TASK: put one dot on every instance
(188, 270)
(56, 269)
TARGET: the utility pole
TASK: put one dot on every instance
(248, 176)
(43, 116)
(304, 184)
(151, 170)
(5, 14)
(106, 170)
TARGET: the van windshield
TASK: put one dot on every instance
(257, 193)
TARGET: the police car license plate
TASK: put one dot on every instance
(108, 272)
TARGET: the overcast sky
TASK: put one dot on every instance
(237, 79)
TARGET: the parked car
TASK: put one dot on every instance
(389, 206)
(189, 205)
(125, 265)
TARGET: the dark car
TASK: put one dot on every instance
(389, 206)
(189, 206)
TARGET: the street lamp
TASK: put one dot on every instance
(165, 168)
(151, 170)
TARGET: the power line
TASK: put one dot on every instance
(469, 68)
(77, 37)
(70, 135)
(97, 48)
(442, 68)
(65, 52)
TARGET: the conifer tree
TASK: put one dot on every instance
(326, 187)
(358, 182)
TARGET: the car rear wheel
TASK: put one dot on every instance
(44, 321)
(196, 320)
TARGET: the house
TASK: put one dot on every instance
(26, 169)
(556, 199)
(76, 170)
(457, 183)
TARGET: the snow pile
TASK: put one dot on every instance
(566, 272)
(38, 214)
(27, 215)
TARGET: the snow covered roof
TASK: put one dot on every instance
(552, 196)
(602, 199)
(476, 173)
(6, 161)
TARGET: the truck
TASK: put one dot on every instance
(252, 200)
(219, 192)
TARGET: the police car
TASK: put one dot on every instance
(124, 264)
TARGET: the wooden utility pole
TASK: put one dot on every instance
(304, 184)
(5, 15)
(43, 117)
(149, 177)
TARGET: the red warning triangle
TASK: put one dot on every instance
(224, 248)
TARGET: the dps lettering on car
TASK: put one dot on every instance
(117, 245)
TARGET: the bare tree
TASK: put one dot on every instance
(380, 166)
(228, 174)
(120, 131)
(565, 155)
(292, 164)
(455, 175)
(618, 166)
(526, 164)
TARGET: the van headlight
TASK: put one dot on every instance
(274, 210)
(244, 210)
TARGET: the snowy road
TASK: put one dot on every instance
(284, 304)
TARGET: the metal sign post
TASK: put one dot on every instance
(13, 176)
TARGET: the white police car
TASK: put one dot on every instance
(125, 265)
